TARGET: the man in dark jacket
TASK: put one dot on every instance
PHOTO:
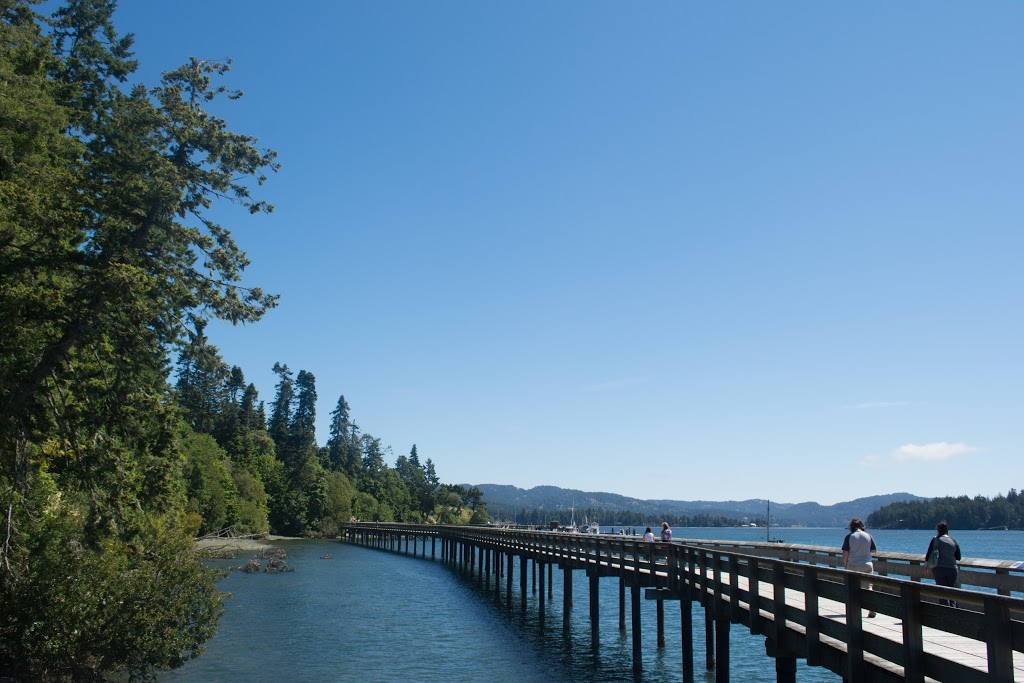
(945, 571)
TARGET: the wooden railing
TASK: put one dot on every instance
(794, 596)
(1006, 577)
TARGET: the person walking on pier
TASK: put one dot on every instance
(857, 548)
(666, 532)
(945, 570)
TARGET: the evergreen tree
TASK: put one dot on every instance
(279, 426)
(249, 417)
(302, 431)
(107, 249)
(373, 456)
(236, 385)
(340, 432)
(354, 457)
(202, 377)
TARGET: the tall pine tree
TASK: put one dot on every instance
(107, 251)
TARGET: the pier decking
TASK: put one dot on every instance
(792, 595)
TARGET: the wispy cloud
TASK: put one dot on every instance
(931, 452)
(614, 384)
(872, 405)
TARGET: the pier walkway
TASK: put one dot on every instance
(794, 596)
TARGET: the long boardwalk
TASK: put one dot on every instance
(792, 595)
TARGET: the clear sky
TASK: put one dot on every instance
(668, 249)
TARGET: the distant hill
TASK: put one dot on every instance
(505, 502)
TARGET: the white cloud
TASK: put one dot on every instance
(873, 461)
(931, 452)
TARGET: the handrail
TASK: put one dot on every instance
(748, 584)
(1006, 577)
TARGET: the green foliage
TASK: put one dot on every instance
(74, 608)
(210, 488)
(202, 377)
(338, 504)
(107, 254)
(480, 516)
(252, 502)
(961, 512)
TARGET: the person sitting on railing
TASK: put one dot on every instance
(857, 548)
(649, 540)
(666, 533)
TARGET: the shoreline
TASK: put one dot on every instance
(225, 544)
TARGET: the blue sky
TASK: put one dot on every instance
(668, 250)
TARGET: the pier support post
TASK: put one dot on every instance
(785, 669)
(540, 598)
(523, 562)
(533, 586)
(634, 602)
(595, 628)
(566, 596)
(722, 649)
(785, 660)
(622, 603)
(551, 581)
(686, 631)
(508, 579)
(661, 623)
(709, 640)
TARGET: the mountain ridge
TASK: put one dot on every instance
(505, 501)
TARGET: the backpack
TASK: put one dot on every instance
(933, 555)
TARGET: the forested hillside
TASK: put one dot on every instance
(541, 503)
(111, 264)
(961, 512)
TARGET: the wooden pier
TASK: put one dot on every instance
(792, 595)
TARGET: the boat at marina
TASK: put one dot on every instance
(768, 525)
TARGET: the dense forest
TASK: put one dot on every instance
(123, 434)
(961, 512)
(258, 472)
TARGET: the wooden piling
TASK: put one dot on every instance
(634, 594)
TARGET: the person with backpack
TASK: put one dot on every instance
(857, 548)
(941, 557)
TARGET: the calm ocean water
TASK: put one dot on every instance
(367, 615)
